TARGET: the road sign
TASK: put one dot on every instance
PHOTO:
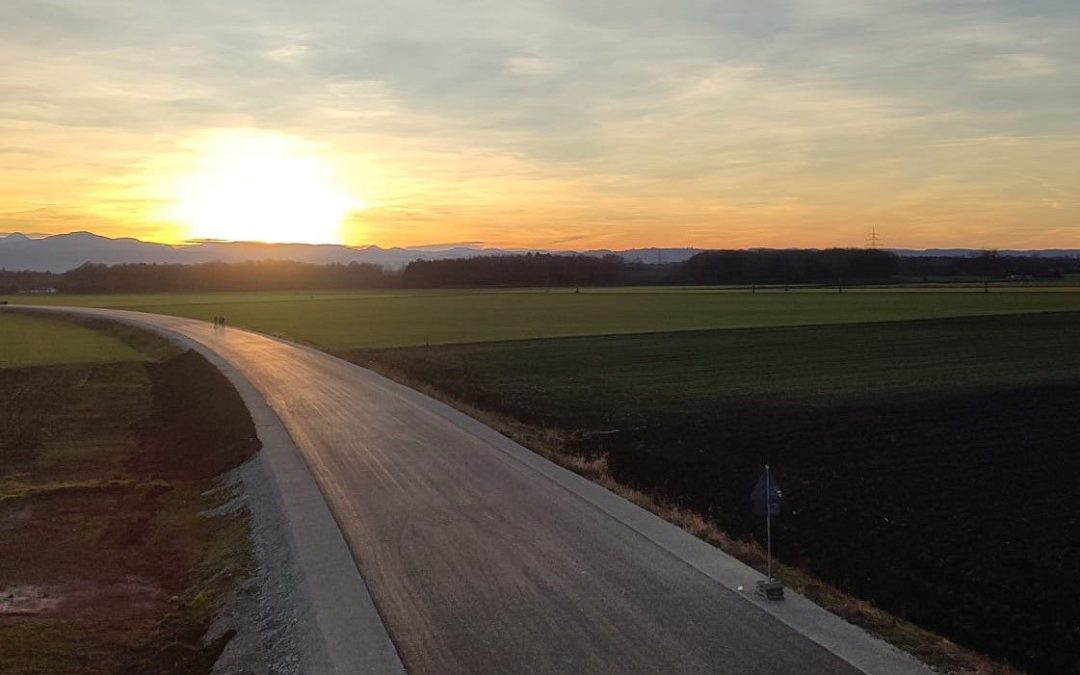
(767, 493)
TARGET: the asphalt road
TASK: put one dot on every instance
(481, 562)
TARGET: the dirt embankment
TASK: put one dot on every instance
(116, 553)
(199, 428)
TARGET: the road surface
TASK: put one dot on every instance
(484, 558)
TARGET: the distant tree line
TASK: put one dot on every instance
(214, 276)
(742, 267)
(791, 266)
(530, 269)
(987, 265)
(732, 267)
(18, 281)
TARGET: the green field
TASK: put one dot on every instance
(805, 365)
(351, 320)
(35, 341)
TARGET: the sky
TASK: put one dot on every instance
(545, 124)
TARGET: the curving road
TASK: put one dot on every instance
(483, 558)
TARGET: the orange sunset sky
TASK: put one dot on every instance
(545, 124)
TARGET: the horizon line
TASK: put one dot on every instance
(480, 246)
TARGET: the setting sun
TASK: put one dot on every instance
(251, 186)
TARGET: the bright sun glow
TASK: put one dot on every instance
(252, 186)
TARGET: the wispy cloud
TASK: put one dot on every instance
(525, 122)
(1018, 65)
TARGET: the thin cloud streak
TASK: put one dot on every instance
(795, 122)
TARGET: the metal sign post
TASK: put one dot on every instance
(768, 525)
(767, 497)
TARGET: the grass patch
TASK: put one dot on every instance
(611, 380)
(35, 340)
(373, 319)
(109, 562)
(929, 467)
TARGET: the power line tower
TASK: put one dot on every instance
(873, 239)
